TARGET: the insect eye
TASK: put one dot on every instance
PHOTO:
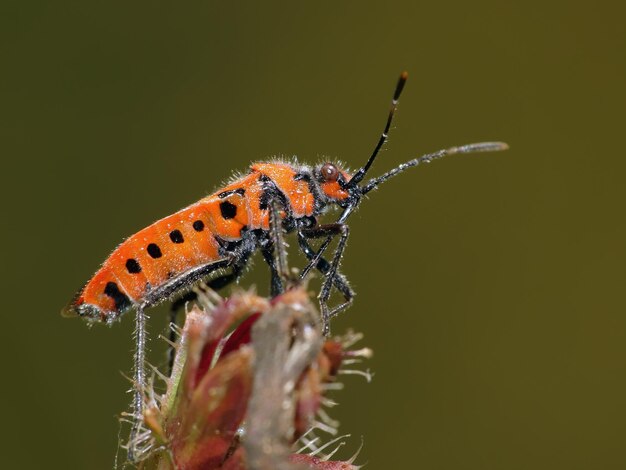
(329, 172)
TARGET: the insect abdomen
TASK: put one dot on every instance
(148, 259)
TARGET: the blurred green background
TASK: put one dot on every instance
(491, 287)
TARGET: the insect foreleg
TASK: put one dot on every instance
(332, 276)
(323, 266)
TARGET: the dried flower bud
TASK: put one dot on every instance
(267, 376)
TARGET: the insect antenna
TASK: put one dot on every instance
(429, 157)
(360, 174)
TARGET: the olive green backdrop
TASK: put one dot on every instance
(491, 287)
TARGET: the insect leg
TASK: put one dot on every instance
(329, 231)
(278, 240)
(324, 266)
(276, 282)
(274, 250)
(139, 378)
(320, 251)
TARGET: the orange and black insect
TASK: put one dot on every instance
(221, 232)
(224, 229)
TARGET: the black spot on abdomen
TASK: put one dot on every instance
(133, 266)
(176, 236)
(228, 210)
(154, 251)
(122, 302)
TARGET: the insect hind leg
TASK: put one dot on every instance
(139, 383)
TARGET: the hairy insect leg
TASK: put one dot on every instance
(139, 378)
(317, 256)
(274, 250)
(323, 266)
(276, 286)
(339, 280)
(278, 240)
(331, 275)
